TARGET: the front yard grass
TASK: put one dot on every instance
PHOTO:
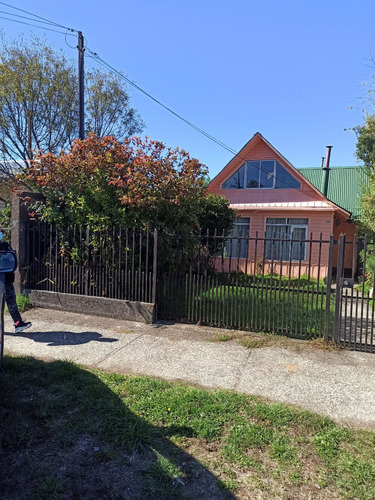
(294, 311)
(69, 432)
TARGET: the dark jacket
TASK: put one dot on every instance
(5, 247)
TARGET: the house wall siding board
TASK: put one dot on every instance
(263, 152)
(318, 224)
(349, 229)
(252, 266)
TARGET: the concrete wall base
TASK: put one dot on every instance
(97, 306)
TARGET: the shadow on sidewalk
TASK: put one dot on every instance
(54, 338)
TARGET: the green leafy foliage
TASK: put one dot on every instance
(101, 182)
(365, 152)
(365, 147)
(5, 216)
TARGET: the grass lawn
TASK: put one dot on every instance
(275, 308)
(71, 433)
(295, 308)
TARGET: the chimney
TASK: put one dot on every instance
(325, 173)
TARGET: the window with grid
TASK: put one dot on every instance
(284, 239)
(236, 245)
(264, 174)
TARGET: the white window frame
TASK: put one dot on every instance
(274, 172)
(232, 243)
(259, 172)
(289, 236)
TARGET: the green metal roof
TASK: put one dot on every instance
(344, 185)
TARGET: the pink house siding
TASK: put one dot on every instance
(350, 230)
(258, 149)
(318, 226)
(258, 204)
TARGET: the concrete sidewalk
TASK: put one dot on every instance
(340, 385)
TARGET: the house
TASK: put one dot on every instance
(279, 203)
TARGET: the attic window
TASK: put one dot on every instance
(264, 174)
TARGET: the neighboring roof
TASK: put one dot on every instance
(344, 185)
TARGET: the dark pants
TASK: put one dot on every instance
(10, 299)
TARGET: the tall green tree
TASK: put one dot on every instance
(39, 101)
(365, 152)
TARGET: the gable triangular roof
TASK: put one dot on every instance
(245, 155)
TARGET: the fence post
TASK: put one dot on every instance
(20, 220)
(339, 275)
(87, 265)
(328, 284)
(155, 266)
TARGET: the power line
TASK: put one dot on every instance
(35, 26)
(70, 34)
(130, 82)
(24, 17)
(39, 17)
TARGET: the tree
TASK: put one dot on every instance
(365, 152)
(39, 102)
(214, 214)
(102, 182)
(108, 110)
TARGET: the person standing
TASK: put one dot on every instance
(10, 294)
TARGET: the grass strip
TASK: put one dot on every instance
(69, 432)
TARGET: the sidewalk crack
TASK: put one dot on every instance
(241, 370)
(115, 351)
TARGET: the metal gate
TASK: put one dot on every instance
(354, 305)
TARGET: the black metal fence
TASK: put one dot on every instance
(354, 323)
(303, 287)
(115, 264)
(226, 281)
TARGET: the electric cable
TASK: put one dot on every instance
(66, 42)
(39, 17)
(35, 26)
(51, 23)
(130, 82)
(103, 63)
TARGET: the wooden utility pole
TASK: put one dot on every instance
(81, 86)
(29, 134)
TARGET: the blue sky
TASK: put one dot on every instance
(292, 70)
